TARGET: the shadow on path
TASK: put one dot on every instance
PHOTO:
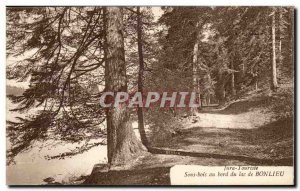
(272, 141)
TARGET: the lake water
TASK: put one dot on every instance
(31, 167)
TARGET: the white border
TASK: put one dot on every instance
(4, 3)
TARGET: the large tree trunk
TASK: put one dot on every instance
(274, 84)
(140, 78)
(122, 143)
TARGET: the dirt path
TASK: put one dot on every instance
(224, 132)
(249, 120)
(248, 134)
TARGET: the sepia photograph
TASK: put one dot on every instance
(150, 95)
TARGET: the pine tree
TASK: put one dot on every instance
(141, 124)
(73, 48)
(274, 83)
(122, 142)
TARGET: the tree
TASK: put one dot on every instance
(70, 46)
(195, 63)
(64, 56)
(141, 125)
(75, 50)
(122, 142)
(274, 83)
(180, 52)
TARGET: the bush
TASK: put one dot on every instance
(163, 124)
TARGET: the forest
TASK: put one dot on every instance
(239, 61)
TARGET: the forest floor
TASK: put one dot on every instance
(240, 129)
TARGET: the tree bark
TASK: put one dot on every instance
(274, 83)
(195, 60)
(122, 144)
(256, 85)
(233, 91)
(280, 26)
(220, 88)
(194, 67)
(140, 114)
